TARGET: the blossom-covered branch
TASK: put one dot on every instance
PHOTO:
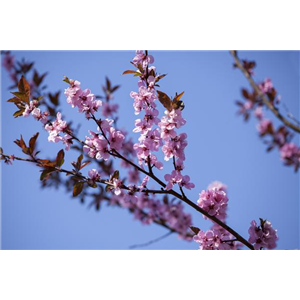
(263, 96)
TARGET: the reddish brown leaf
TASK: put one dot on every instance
(60, 158)
(24, 87)
(245, 93)
(165, 100)
(178, 97)
(195, 229)
(84, 164)
(129, 72)
(14, 100)
(54, 98)
(32, 142)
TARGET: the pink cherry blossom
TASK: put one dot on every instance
(259, 113)
(290, 154)
(143, 99)
(175, 116)
(105, 125)
(96, 146)
(216, 238)
(55, 128)
(143, 59)
(83, 99)
(29, 108)
(265, 126)
(141, 126)
(68, 141)
(151, 140)
(144, 182)
(185, 182)
(94, 175)
(117, 184)
(179, 165)
(214, 202)
(154, 162)
(219, 186)
(266, 86)
(262, 236)
(151, 116)
(173, 178)
(73, 92)
(116, 139)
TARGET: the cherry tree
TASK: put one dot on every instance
(128, 186)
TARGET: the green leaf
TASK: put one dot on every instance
(66, 79)
(108, 188)
(92, 184)
(137, 74)
(19, 113)
(115, 175)
(77, 188)
(158, 78)
(21, 96)
(39, 98)
(79, 160)
(14, 100)
(45, 173)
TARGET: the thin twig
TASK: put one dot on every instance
(152, 241)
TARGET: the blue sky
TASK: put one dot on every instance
(221, 147)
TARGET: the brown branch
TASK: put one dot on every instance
(158, 221)
(152, 241)
(184, 199)
(261, 94)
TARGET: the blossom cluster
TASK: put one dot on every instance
(99, 145)
(216, 238)
(214, 202)
(263, 235)
(149, 140)
(83, 99)
(36, 112)
(56, 128)
(165, 134)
